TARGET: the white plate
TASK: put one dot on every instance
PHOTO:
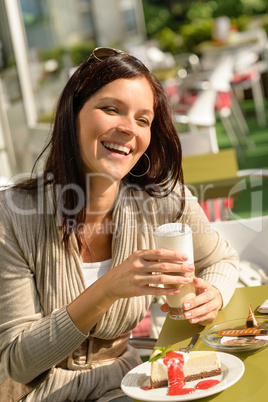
(232, 370)
(211, 339)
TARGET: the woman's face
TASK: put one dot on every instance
(114, 126)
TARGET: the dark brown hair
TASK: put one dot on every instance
(64, 163)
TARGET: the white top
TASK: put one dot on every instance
(94, 270)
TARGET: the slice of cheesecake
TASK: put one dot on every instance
(194, 366)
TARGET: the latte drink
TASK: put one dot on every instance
(178, 237)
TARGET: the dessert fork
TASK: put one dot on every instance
(186, 349)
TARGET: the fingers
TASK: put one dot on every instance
(145, 268)
(166, 267)
(163, 254)
(205, 306)
(165, 261)
(157, 291)
(161, 279)
(150, 272)
(202, 315)
(202, 319)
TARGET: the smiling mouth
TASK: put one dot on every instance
(120, 149)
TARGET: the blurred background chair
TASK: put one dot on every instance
(153, 57)
(227, 106)
(200, 119)
(198, 97)
(249, 238)
(247, 76)
(198, 143)
(145, 334)
(144, 346)
(249, 50)
(7, 154)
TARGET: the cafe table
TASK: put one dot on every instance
(253, 385)
(253, 40)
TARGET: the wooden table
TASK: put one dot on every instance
(253, 386)
(211, 175)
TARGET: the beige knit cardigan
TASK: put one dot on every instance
(38, 279)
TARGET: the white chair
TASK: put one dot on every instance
(249, 238)
(7, 154)
(199, 143)
(248, 76)
(230, 113)
(200, 119)
(250, 61)
(214, 96)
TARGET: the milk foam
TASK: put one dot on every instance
(170, 236)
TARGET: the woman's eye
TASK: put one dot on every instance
(109, 109)
(145, 121)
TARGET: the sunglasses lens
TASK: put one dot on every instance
(103, 52)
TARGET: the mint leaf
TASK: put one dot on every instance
(164, 350)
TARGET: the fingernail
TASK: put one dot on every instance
(186, 279)
(184, 257)
(187, 315)
(191, 267)
(187, 305)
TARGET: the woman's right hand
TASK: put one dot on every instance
(143, 271)
(140, 274)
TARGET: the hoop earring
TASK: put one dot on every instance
(143, 174)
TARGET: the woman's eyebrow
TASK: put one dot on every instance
(110, 98)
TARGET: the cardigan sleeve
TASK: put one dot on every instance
(215, 259)
(30, 343)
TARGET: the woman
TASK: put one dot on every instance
(77, 247)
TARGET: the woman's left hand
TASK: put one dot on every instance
(204, 308)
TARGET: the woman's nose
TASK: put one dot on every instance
(127, 125)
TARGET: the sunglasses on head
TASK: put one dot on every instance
(102, 53)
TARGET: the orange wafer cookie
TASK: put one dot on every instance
(243, 332)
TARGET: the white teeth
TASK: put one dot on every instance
(121, 148)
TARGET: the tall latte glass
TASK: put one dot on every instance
(177, 237)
